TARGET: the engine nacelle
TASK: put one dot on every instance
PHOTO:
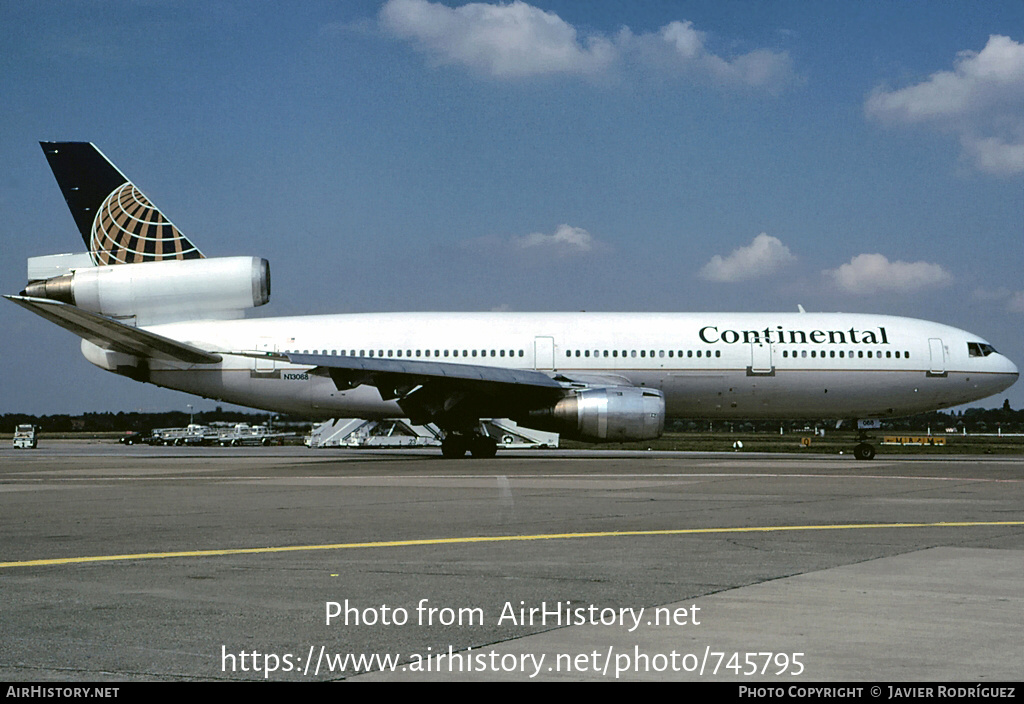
(604, 415)
(164, 291)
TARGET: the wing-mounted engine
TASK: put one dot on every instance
(610, 414)
(163, 291)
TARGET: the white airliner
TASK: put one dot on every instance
(150, 306)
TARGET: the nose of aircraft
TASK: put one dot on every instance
(1009, 374)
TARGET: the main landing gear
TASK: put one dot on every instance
(456, 445)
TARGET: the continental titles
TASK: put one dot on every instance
(781, 336)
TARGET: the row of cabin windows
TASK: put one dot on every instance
(644, 353)
(859, 354)
(415, 353)
(689, 354)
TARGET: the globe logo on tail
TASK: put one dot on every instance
(128, 229)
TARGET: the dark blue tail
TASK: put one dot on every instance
(118, 222)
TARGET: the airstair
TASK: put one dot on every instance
(400, 432)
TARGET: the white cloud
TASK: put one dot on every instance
(994, 155)
(502, 40)
(1012, 300)
(566, 237)
(518, 40)
(566, 241)
(981, 100)
(874, 273)
(680, 48)
(763, 256)
(1016, 302)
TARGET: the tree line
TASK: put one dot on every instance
(973, 420)
(141, 422)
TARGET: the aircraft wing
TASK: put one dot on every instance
(442, 392)
(113, 335)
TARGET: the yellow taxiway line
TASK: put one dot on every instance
(491, 539)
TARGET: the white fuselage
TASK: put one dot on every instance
(708, 365)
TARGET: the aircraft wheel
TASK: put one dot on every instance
(864, 451)
(454, 447)
(483, 447)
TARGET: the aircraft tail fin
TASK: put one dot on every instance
(118, 222)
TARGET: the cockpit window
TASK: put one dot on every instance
(980, 349)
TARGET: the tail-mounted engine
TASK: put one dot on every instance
(163, 291)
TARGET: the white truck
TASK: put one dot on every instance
(25, 437)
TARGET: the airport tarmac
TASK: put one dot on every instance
(150, 564)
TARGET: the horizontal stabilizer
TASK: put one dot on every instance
(111, 335)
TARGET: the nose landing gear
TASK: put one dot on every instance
(864, 449)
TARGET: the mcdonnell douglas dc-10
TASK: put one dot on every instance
(150, 306)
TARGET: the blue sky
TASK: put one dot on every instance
(600, 155)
